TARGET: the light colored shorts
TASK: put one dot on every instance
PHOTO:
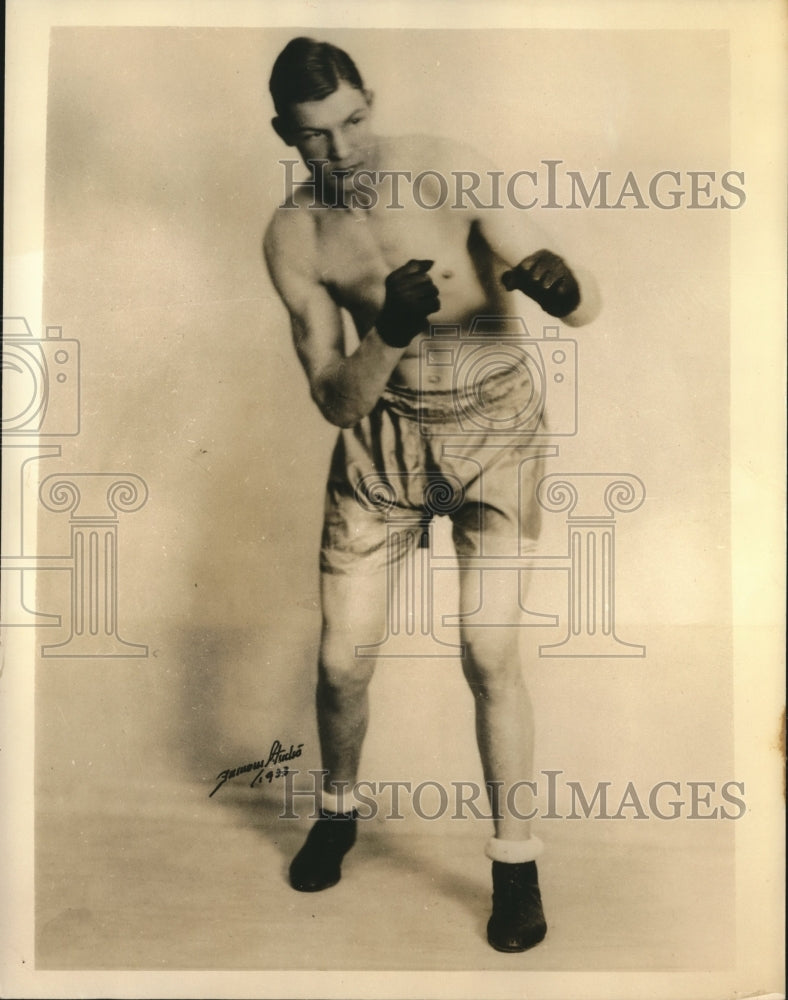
(415, 457)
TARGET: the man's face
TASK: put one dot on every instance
(337, 130)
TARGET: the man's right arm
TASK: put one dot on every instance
(345, 388)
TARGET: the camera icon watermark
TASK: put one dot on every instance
(41, 402)
(41, 382)
(489, 400)
(497, 379)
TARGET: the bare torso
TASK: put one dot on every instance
(356, 248)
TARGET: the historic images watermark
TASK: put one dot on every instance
(41, 379)
(551, 185)
(550, 796)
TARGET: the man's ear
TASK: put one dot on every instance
(369, 95)
(282, 130)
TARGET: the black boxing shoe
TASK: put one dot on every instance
(517, 922)
(318, 865)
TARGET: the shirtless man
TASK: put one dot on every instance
(396, 271)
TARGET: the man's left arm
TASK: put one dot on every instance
(536, 265)
(565, 290)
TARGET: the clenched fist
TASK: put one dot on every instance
(411, 296)
(544, 277)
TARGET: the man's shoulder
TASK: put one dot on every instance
(292, 216)
(290, 231)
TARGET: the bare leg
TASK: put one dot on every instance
(504, 730)
(504, 717)
(353, 615)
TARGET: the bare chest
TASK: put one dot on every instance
(358, 249)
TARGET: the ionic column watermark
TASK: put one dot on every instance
(94, 501)
(409, 589)
(591, 502)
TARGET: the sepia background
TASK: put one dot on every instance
(161, 174)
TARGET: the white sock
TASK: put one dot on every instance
(513, 852)
(337, 803)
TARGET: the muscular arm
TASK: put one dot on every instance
(514, 237)
(345, 388)
(513, 240)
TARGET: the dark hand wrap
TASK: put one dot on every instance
(410, 297)
(545, 278)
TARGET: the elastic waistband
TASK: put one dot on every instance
(500, 389)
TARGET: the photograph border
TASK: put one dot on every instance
(758, 34)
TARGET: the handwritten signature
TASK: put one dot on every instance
(276, 756)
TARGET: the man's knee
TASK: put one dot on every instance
(491, 660)
(340, 670)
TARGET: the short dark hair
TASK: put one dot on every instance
(307, 70)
